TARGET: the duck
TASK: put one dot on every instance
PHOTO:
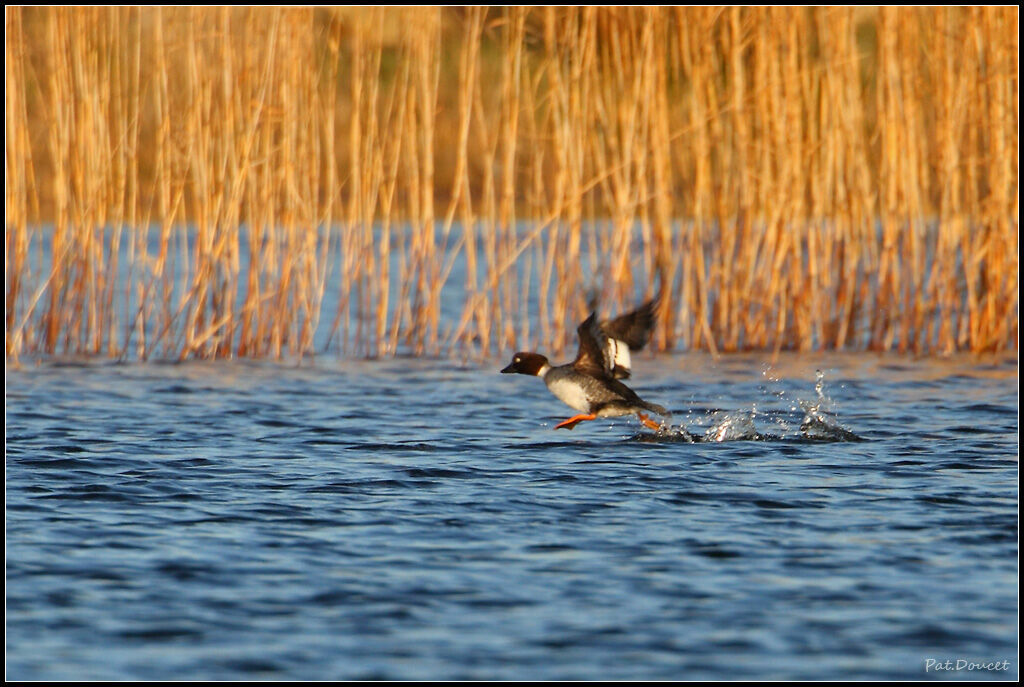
(591, 384)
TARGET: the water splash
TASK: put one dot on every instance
(820, 423)
(813, 420)
(667, 433)
(733, 426)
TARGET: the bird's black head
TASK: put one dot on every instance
(526, 364)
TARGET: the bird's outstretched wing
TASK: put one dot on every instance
(591, 359)
(629, 332)
(604, 347)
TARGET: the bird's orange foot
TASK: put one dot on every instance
(649, 423)
(573, 421)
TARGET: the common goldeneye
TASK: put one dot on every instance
(590, 384)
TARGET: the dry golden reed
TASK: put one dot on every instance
(215, 182)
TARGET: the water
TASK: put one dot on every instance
(417, 519)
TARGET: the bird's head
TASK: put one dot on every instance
(526, 364)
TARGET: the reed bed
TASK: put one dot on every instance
(216, 182)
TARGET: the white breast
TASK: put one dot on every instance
(570, 394)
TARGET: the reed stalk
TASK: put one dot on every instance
(273, 182)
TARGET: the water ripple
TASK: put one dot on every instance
(410, 520)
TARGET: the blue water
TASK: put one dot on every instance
(417, 519)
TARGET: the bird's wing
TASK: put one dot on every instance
(629, 332)
(634, 328)
(591, 358)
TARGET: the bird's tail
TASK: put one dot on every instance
(655, 408)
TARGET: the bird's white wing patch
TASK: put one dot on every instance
(616, 354)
